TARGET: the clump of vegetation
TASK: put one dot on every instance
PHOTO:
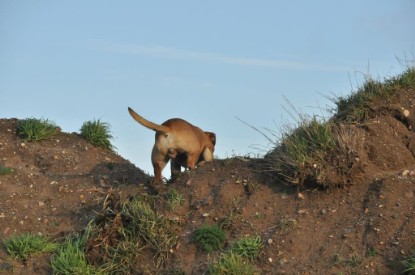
(247, 247)
(32, 129)
(231, 263)
(24, 246)
(98, 134)
(5, 170)
(119, 235)
(356, 107)
(174, 199)
(301, 151)
(409, 264)
(144, 223)
(71, 259)
(308, 151)
(209, 237)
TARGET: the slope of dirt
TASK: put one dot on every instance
(58, 186)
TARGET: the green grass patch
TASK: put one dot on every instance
(150, 226)
(231, 263)
(98, 134)
(71, 259)
(356, 107)
(5, 170)
(248, 247)
(209, 237)
(24, 246)
(174, 199)
(409, 264)
(300, 152)
(124, 231)
(32, 129)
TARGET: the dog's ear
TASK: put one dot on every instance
(212, 137)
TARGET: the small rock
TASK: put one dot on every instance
(405, 173)
(270, 260)
(205, 215)
(270, 241)
(406, 113)
(40, 203)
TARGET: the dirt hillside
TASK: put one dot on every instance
(368, 227)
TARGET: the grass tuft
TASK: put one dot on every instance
(301, 150)
(247, 247)
(24, 246)
(356, 107)
(71, 259)
(142, 222)
(32, 129)
(98, 134)
(5, 170)
(209, 238)
(409, 264)
(231, 263)
(174, 199)
(119, 236)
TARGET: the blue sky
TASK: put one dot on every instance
(205, 61)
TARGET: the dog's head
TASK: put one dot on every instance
(212, 137)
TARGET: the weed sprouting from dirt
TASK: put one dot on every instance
(98, 134)
(5, 170)
(248, 247)
(301, 151)
(33, 129)
(125, 230)
(209, 237)
(356, 107)
(26, 245)
(231, 263)
(174, 199)
(409, 264)
(71, 259)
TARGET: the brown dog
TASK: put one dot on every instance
(179, 141)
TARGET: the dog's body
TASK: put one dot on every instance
(179, 141)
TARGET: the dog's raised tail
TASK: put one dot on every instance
(150, 125)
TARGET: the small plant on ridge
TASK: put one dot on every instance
(32, 129)
(98, 134)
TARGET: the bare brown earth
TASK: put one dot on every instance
(366, 227)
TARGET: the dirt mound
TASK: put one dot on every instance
(58, 186)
